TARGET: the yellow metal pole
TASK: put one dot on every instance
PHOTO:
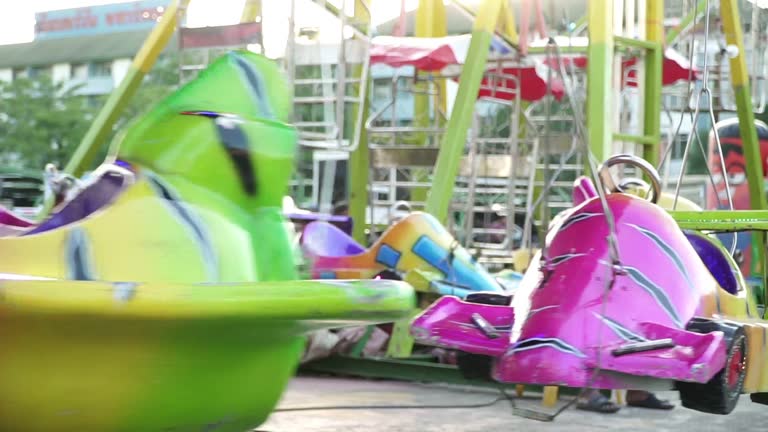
(119, 98)
(251, 11)
(599, 68)
(549, 398)
(507, 28)
(430, 23)
(508, 25)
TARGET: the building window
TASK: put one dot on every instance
(100, 70)
(80, 71)
(678, 146)
(93, 101)
(20, 73)
(38, 72)
(676, 101)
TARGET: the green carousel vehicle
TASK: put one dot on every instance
(161, 292)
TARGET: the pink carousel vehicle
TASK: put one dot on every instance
(619, 298)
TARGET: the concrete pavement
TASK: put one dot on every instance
(321, 391)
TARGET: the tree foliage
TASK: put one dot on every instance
(40, 122)
(43, 122)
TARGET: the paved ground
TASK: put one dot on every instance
(312, 391)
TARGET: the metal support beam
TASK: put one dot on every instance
(574, 49)
(599, 67)
(722, 220)
(654, 70)
(639, 139)
(636, 43)
(359, 160)
(508, 27)
(729, 11)
(579, 25)
(102, 125)
(358, 27)
(438, 201)
(686, 22)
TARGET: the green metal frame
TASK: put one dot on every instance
(603, 44)
(359, 160)
(722, 220)
(508, 29)
(686, 22)
(654, 72)
(439, 198)
(563, 49)
(599, 68)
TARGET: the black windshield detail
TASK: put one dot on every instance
(236, 143)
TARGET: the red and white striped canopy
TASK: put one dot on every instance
(426, 54)
(438, 54)
(676, 67)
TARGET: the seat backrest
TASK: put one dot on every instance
(100, 192)
(344, 223)
(324, 239)
(717, 263)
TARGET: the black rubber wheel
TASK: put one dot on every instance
(474, 366)
(388, 275)
(477, 366)
(760, 398)
(489, 298)
(721, 394)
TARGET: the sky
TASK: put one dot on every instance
(17, 18)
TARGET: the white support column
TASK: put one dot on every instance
(61, 72)
(119, 69)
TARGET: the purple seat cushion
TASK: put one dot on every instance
(715, 261)
(94, 197)
(324, 239)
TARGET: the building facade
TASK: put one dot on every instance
(90, 48)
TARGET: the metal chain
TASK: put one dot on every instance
(705, 91)
(590, 160)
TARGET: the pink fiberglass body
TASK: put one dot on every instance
(569, 320)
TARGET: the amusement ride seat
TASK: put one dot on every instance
(715, 260)
(99, 190)
(324, 239)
